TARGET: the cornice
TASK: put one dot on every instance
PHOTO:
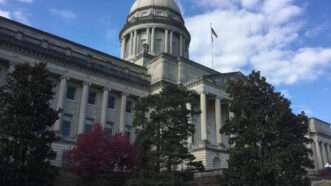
(157, 7)
(37, 51)
(16, 28)
(155, 19)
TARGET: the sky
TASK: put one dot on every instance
(289, 41)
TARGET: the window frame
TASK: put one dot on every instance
(68, 119)
(92, 94)
(71, 95)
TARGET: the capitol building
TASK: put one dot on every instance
(95, 87)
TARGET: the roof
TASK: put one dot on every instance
(139, 4)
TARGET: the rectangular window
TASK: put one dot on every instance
(71, 91)
(109, 127)
(129, 106)
(92, 97)
(66, 125)
(88, 125)
(111, 102)
(128, 131)
(158, 46)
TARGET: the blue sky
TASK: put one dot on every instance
(288, 40)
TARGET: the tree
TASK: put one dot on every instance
(98, 154)
(163, 125)
(26, 118)
(268, 140)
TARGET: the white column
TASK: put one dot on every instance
(318, 155)
(329, 152)
(82, 109)
(218, 119)
(171, 39)
(104, 106)
(122, 113)
(181, 46)
(148, 39)
(323, 153)
(190, 121)
(131, 45)
(152, 40)
(166, 41)
(135, 43)
(122, 48)
(60, 101)
(203, 117)
(11, 68)
(326, 153)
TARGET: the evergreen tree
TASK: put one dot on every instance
(163, 126)
(26, 118)
(268, 140)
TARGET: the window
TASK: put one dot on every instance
(141, 45)
(158, 46)
(111, 102)
(71, 92)
(66, 125)
(92, 97)
(109, 127)
(129, 106)
(128, 131)
(88, 124)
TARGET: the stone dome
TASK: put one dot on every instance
(140, 4)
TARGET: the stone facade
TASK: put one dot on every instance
(92, 86)
(320, 134)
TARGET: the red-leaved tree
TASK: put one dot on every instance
(96, 153)
(123, 155)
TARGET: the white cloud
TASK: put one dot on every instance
(26, 1)
(21, 16)
(17, 15)
(5, 14)
(66, 14)
(256, 34)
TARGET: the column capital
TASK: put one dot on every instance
(65, 77)
(125, 94)
(219, 97)
(107, 89)
(88, 83)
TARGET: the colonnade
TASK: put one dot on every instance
(130, 42)
(83, 105)
(203, 118)
(322, 152)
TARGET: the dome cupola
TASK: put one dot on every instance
(143, 4)
(157, 24)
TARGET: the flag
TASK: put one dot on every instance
(214, 33)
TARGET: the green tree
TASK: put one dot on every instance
(163, 125)
(268, 143)
(26, 118)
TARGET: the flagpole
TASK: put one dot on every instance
(212, 46)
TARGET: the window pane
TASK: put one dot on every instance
(109, 128)
(71, 92)
(92, 97)
(66, 125)
(88, 125)
(128, 131)
(129, 106)
(111, 102)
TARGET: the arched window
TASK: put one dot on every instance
(217, 163)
